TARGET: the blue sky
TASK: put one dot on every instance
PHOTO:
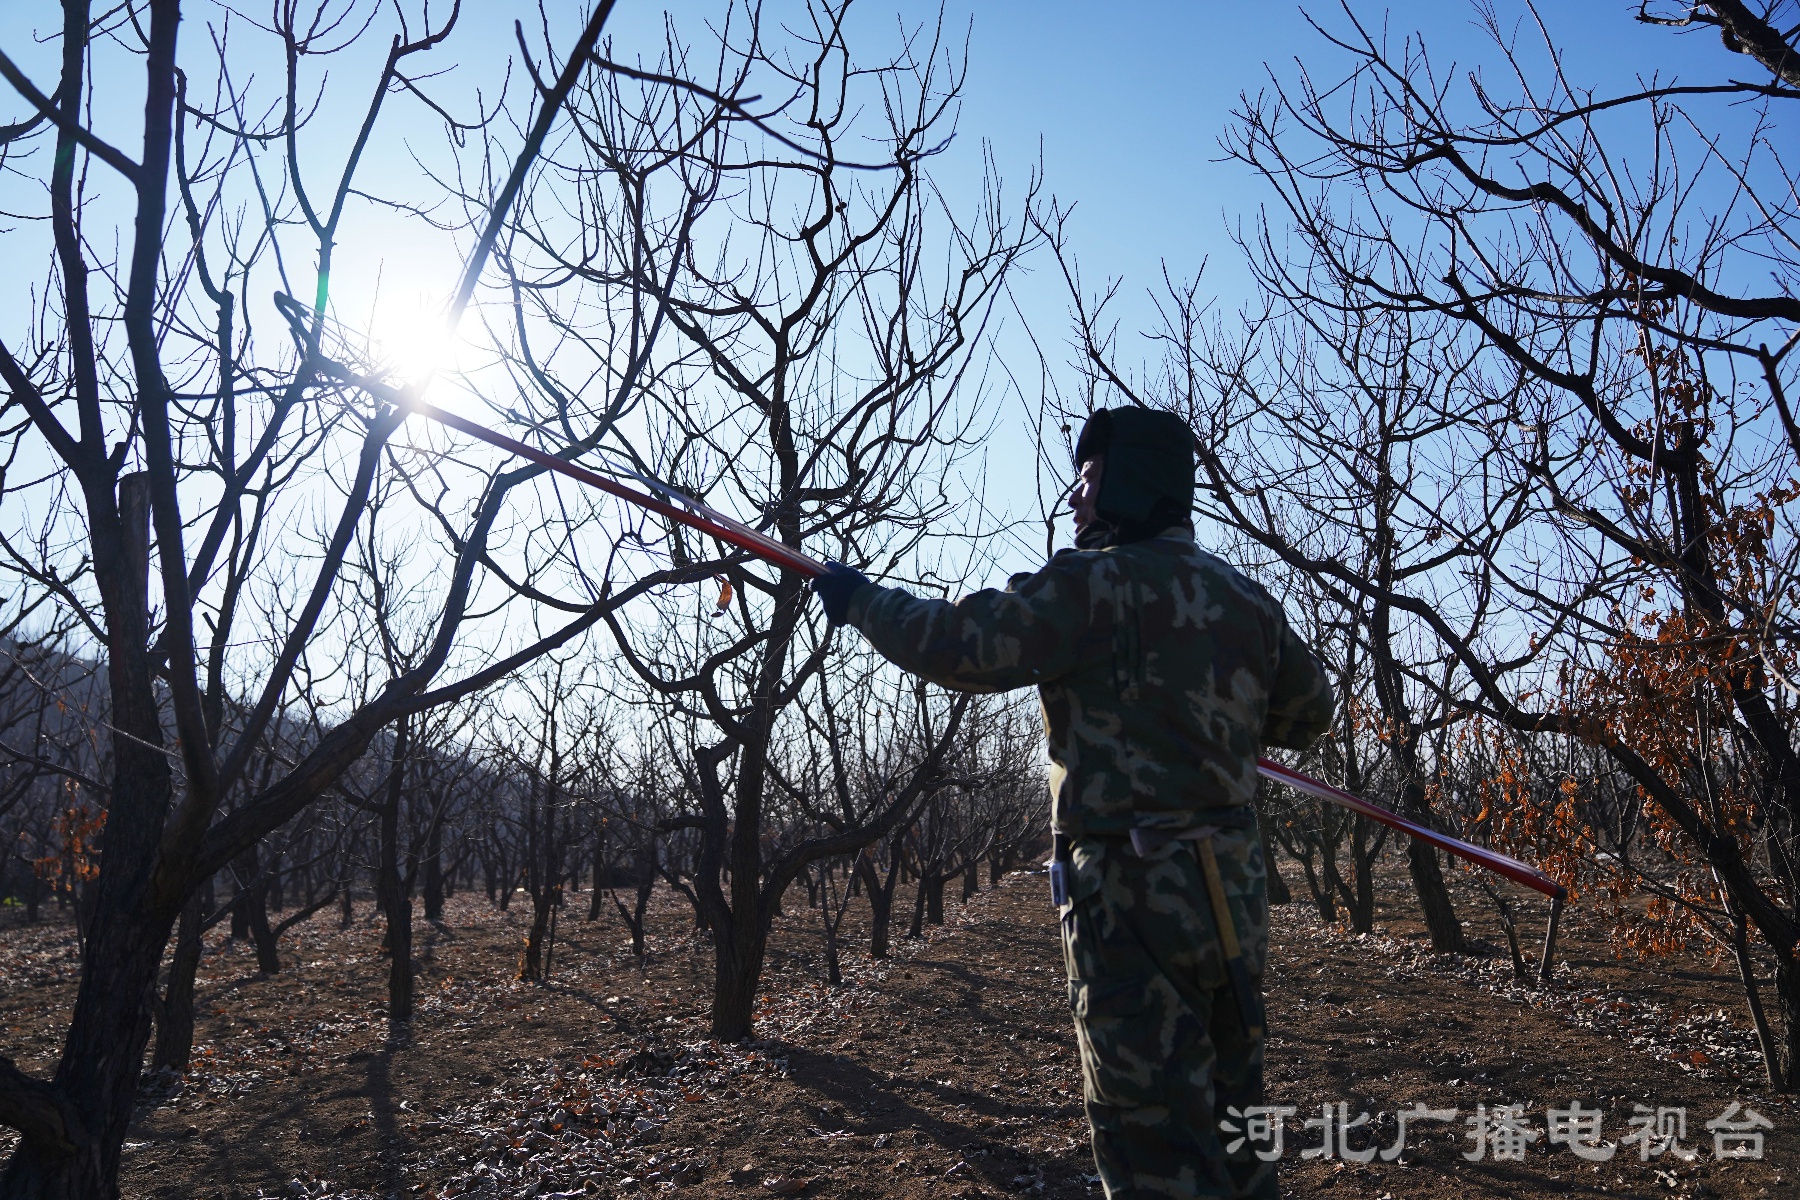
(1130, 101)
(1126, 101)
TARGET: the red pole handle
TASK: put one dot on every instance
(696, 515)
(1494, 861)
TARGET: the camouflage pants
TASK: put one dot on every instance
(1163, 1051)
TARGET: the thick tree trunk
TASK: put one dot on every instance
(243, 876)
(934, 898)
(175, 1010)
(834, 974)
(434, 873)
(737, 966)
(101, 1064)
(1390, 690)
(636, 924)
(556, 903)
(1434, 899)
(103, 1051)
(971, 879)
(634, 917)
(531, 962)
(83, 898)
(400, 964)
(1278, 888)
(250, 913)
(1421, 859)
(96, 1081)
(741, 925)
(1332, 877)
(1361, 901)
(601, 883)
(881, 905)
(1427, 873)
(268, 955)
(1322, 897)
(391, 895)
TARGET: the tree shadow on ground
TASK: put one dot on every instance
(873, 1104)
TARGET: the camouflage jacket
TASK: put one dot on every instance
(1162, 671)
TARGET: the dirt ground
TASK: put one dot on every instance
(946, 1071)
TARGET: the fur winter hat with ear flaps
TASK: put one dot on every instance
(1148, 483)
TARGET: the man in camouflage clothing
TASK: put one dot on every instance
(1163, 672)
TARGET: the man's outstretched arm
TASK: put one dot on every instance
(988, 641)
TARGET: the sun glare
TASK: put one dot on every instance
(408, 340)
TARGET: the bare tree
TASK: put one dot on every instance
(797, 306)
(1620, 273)
(153, 372)
(547, 755)
(633, 808)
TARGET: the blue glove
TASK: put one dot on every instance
(834, 589)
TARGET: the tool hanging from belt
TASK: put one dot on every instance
(1147, 843)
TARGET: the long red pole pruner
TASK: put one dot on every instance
(696, 515)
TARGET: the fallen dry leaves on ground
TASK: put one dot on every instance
(947, 1070)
